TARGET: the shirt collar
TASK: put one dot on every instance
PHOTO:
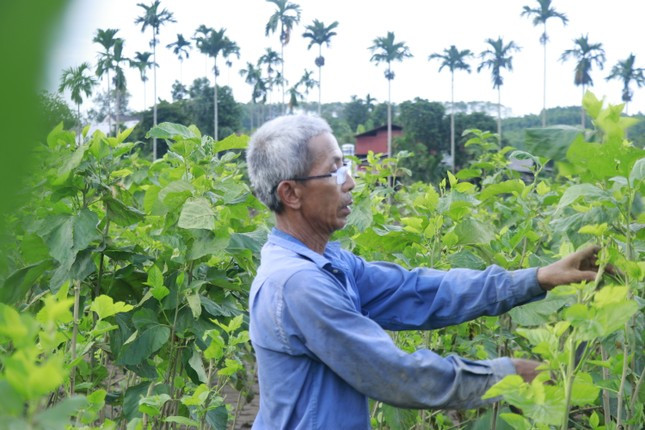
(285, 240)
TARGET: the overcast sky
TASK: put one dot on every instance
(426, 26)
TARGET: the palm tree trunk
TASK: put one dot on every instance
(215, 131)
(319, 78)
(389, 118)
(116, 110)
(154, 92)
(80, 124)
(452, 121)
(499, 114)
(284, 106)
(544, 83)
(582, 109)
(109, 105)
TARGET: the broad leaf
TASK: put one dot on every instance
(232, 142)
(197, 213)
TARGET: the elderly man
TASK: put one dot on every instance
(319, 313)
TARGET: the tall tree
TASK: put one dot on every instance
(541, 15)
(253, 76)
(319, 33)
(626, 72)
(453, 59)
(497, 57)
(106, 38)
(78, 83)
(154, 18)
(270, 59)
(386, 50)
(215, 43)
(287, 16)
(586, 54)
(142, 63)
(119, 79)
(181, 48)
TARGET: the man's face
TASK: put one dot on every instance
(325, 204)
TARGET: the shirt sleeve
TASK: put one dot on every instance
(400, 299)
(324, 318)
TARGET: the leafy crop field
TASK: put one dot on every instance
(125, 282)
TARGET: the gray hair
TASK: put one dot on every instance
(279, 150)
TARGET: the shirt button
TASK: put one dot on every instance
(335, 271)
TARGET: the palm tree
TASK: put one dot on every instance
(287, 15)
(541, 15)
(586, 55)
(253, 76)
(319, 34)
(453, 59)
(105, 63)
(270, 58)
(142, 62)
(626, 71)
(385, 50)
(77, 82)
(119, 78)
(180, 48)
(214, 43)
(154, 18)
(496, 58)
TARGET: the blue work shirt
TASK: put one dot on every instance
(317, 327)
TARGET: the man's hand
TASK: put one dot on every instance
(577, 267)
(526, 368)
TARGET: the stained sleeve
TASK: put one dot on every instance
(324, 318)
(400, 299)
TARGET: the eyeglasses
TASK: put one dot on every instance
(342, 175)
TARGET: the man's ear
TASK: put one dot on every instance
(290, 194)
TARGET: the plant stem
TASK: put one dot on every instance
(636, 390)
(77, 298)
(568, 382)
(605, 393)
(237, 409)
(623, 378)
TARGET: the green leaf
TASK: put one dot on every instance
(398, 418)
(60, 137)
(19, 282)
(361, 215)
(122, 214)
(175, 194)
(151, 405)
(518, 422)
(197, 213)
(198, 397)
(197, 365)
(147, 343)
(472, 231)
(550, 142)
(466, 259)
(506, 187)
(540, 312)
(33, 249)
(584, 391)
(104, 307)
(208, 243)
(638, 172)
(69, 163)
(217, 418)
(58, 416)
(195, 304)
(182, 421)
(575, 192)
(168, 130)
(232, 142)
(19, 328)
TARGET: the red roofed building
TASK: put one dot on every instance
(375, 140)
